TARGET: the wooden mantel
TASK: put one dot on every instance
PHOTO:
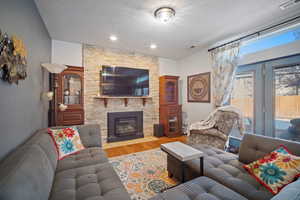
(107, 98)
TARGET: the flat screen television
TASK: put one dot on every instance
(123, 81)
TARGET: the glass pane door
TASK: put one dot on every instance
(243, 98)
(282, 82)
(268, 94)
(247, 97)
(170, 91)
(286, 86)
(71, 89)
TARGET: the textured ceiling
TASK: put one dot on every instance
(197, 22)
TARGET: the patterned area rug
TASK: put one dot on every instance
(144, 173)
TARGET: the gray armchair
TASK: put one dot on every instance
(215, 130)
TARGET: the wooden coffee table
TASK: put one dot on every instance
(183, 153)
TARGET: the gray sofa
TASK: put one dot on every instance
(33, 172)
(224, 175)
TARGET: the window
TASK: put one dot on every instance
(267, 42)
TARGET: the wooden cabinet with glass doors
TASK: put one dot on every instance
(169, 110)
(68, 91)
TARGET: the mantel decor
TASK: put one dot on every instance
(199, 88)
(13, 61)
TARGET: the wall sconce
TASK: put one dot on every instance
(62, 107)
(48, 96)
(52, 68)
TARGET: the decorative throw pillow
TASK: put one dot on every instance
(67, 141)
(276, 169)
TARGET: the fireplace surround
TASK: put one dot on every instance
(124, 126)
(96, 110)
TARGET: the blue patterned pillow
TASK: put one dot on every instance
(275, 170)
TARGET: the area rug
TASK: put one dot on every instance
(144, 174)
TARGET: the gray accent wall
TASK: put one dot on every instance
(21, 109)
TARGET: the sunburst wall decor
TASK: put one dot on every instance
(13, 59)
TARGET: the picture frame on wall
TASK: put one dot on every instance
(199, 88)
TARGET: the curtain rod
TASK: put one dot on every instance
(255, 33)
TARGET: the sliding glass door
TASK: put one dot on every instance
(268, 94)
(283, 98)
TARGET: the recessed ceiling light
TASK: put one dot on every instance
(164, 14)
(113, 38)
(153, 46)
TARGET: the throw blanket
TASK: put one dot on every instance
(212, 119)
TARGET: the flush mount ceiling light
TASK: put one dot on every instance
(113, 38)
(153, 46)
(164, 14)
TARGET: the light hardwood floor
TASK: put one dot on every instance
(143, 146)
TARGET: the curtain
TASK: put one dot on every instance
(224, 60)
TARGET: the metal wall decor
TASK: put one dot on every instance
(13, 61)
(199, 88)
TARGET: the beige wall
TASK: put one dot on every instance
(168, 67)
(95, 112)
(197, 63)
(66, 53)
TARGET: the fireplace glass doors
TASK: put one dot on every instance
(124, 126)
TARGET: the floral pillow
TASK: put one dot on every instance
(67, 141)
(276, 169)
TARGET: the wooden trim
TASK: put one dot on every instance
(209, 88)
(74, 68)
(170, 77)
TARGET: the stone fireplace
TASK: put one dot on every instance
(94, 109)
(124, 126)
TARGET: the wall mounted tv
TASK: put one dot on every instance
(123, 81)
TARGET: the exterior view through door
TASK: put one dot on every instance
(268, 94)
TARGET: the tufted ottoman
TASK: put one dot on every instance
(202, 188)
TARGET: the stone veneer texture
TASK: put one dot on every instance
(95, 112)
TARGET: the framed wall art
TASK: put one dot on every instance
(198, 88)
(13, 59)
